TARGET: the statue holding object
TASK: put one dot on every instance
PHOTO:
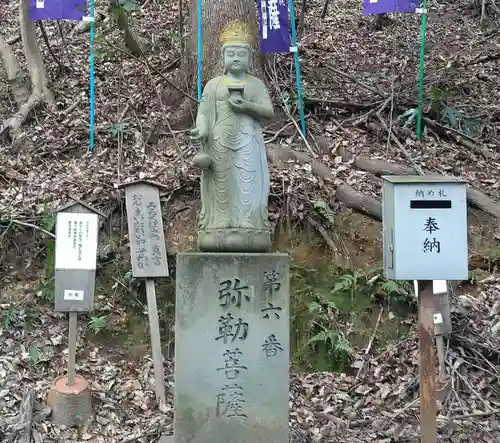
(231, 153)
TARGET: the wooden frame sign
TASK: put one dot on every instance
(77, 229)
(148, 253)
(148, 256)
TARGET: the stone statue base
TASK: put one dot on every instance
(232, 311)
(234, 240)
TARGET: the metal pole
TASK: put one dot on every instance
(199, 34)
(73, 321)
(421, 69)
(297, 68)
(92, 58)
(428, 407)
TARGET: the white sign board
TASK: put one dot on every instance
(73, 295)
(425, 228)
(76, 241)
(438, 287)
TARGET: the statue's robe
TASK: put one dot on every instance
(235, 189)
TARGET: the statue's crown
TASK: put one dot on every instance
(236, 32)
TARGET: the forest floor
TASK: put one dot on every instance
(357, 80)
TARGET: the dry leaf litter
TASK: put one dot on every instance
(50, 161)
(381, 405)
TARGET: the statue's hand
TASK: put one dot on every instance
(239, 104)
(196, 135)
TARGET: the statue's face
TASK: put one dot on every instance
(236, 59)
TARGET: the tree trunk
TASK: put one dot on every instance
(16, 77)
(215, 15)
(475, 198)
(36, 67)
(40, 91)
(130, 37)
(364, 204)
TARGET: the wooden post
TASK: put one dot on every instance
(73, 317)
(428, 407)
(442, 327)
(441, 353)
(77, 231)
(148, 256)
(425, 239)
(154, 329)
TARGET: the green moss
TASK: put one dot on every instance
(122, 299)
(335, 310)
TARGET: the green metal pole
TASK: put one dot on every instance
(421, 70)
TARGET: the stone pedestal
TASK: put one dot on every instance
(234, 240)
(231, 348)
(71, 405)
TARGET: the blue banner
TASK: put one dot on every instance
(386, 6)
(274, 26)
(57, 9)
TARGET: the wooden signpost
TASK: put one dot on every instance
(442, 329)
(77, 229)
(428, 406)
(425, 239)
(442, 323)
(149, 258)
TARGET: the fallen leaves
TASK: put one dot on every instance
(380, 405)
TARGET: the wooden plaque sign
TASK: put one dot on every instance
(77, 228)
(145, 227)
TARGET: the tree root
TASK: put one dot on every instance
(364, 204)
(475, 198)
(358, 201)
(14, 123)
(36, 68)
(20, 429)
(131, 39)
(278, 155)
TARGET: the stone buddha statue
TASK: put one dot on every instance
(231, 152)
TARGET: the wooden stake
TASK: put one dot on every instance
(73, 321)
(428, 407)
(154, 329)
(441, 352)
